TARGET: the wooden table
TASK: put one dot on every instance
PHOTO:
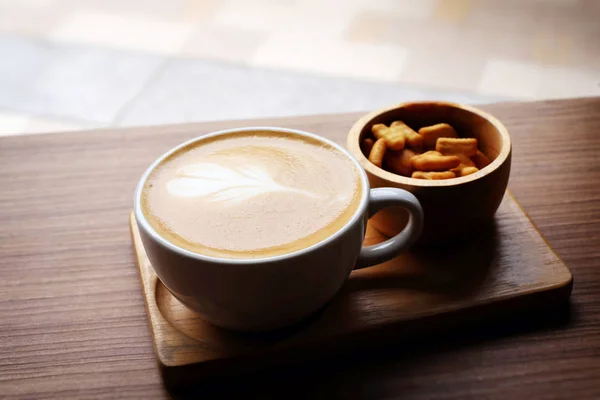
(72, 318)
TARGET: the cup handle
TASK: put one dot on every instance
(390, 197)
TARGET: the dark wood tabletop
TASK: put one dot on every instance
(72, 318)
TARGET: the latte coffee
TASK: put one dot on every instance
(251, 194)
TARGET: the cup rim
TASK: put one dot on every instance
(353, 144)
(142, 221)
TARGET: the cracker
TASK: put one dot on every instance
(412, 138)
(481, 160)
(399, 162)
(466, 146)
(378, 152)
(432, 133)
(394, 139)
(434, 161)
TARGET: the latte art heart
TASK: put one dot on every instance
(215, 182)
(251, 194)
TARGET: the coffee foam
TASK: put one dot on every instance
(252, 194)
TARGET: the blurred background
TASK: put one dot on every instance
(80, 64)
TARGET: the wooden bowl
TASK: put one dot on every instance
(455, 207)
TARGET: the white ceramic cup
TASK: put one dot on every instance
(274, 292)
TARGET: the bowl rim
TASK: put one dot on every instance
(353, 145)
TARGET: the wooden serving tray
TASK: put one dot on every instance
(506, 267)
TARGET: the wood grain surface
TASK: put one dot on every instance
(72, 318)
(506, 265)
